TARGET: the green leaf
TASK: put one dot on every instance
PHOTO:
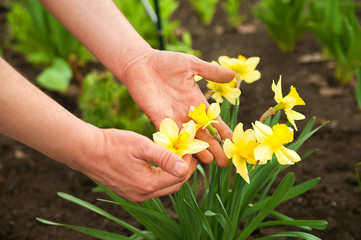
(276, 198)
(100, 234)
(220, 218)
(301, 235)
(275, 119)
(315, 224)
(102, 213)
(56, 77)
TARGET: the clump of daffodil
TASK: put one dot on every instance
(204, 118)
(245, 68)
(271, 141)
(229, 91)
(241, 149)
(288, 102)
(182, 142)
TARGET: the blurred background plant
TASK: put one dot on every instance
(335, 25)
(205, 9)
(44, 41)
(232, 7)
(106, 103)
(285, 20)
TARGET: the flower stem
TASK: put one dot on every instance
(270, 112)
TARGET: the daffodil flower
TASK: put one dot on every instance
(271, 140)
(241, 149)
(203, 118)
(182, 142)
(197, 78)
(226, 90)
(288, 102)
(244, 68)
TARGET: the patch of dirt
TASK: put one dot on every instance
(29, 181)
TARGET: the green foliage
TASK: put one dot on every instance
(232, 7)
(357, 174)
(205, 9)
(227, 208)
(136, 14)
(107, 104)
(336, 26)
(45, 41)
(285, 20)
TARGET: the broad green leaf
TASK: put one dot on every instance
(56, 77)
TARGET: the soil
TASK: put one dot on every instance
(29, 181)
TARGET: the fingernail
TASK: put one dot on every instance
(179, 168)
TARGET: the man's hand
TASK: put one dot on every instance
(162, 84)
(120, 160)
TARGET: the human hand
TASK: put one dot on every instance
(162, 85)
(121, 160)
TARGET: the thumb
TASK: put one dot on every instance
(167, 161)
(212, 72)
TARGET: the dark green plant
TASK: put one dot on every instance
(358, 87)
(137, 15)
(46, 42)
(285, 20)
(108, 104)
(336, 26)
(205, 9)
(232, 7)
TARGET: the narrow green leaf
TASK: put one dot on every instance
(285, 217)
(101, 212)
(358, 87)
(315, 224)
(225, 111)
(282, 189)
(235, 115)
(275, 119)
(301, 235)
(100, 234)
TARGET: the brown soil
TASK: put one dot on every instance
(29, 181)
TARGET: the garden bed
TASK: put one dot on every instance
(29, 181)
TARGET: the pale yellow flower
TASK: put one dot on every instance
(272, 140)
(244, 68)
(224, 90)
(197, 78)
(288, 102)
(203, 118)
(182, 142)
(241, 149)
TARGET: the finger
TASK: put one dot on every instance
(213, 72)
(223, 129)
(214, 147)
(166, 160)
(205, 156)
(192, 162)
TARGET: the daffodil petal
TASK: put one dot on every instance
(252, 76)
(294, 93)
(214, 110)
(197, 78)
(277, 89)
(287, 156)
(241, 167)
(169, 128)
(161, 140)
(229, 148)
(252, 63)
(196, 146)
(262, 131)
(249, 135)
(218, 97)
(263, 152)
(224, 60)
(232, 94)
(190, 128)
(237, 133)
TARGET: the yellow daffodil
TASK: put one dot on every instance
(197, 78)
(241, 149)
(182, 142)
(203, 118)
(226, 90)
(244, 68)
(288, 102)
(272, 140)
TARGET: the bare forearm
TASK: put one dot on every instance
(102, 28)
(31, 117)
